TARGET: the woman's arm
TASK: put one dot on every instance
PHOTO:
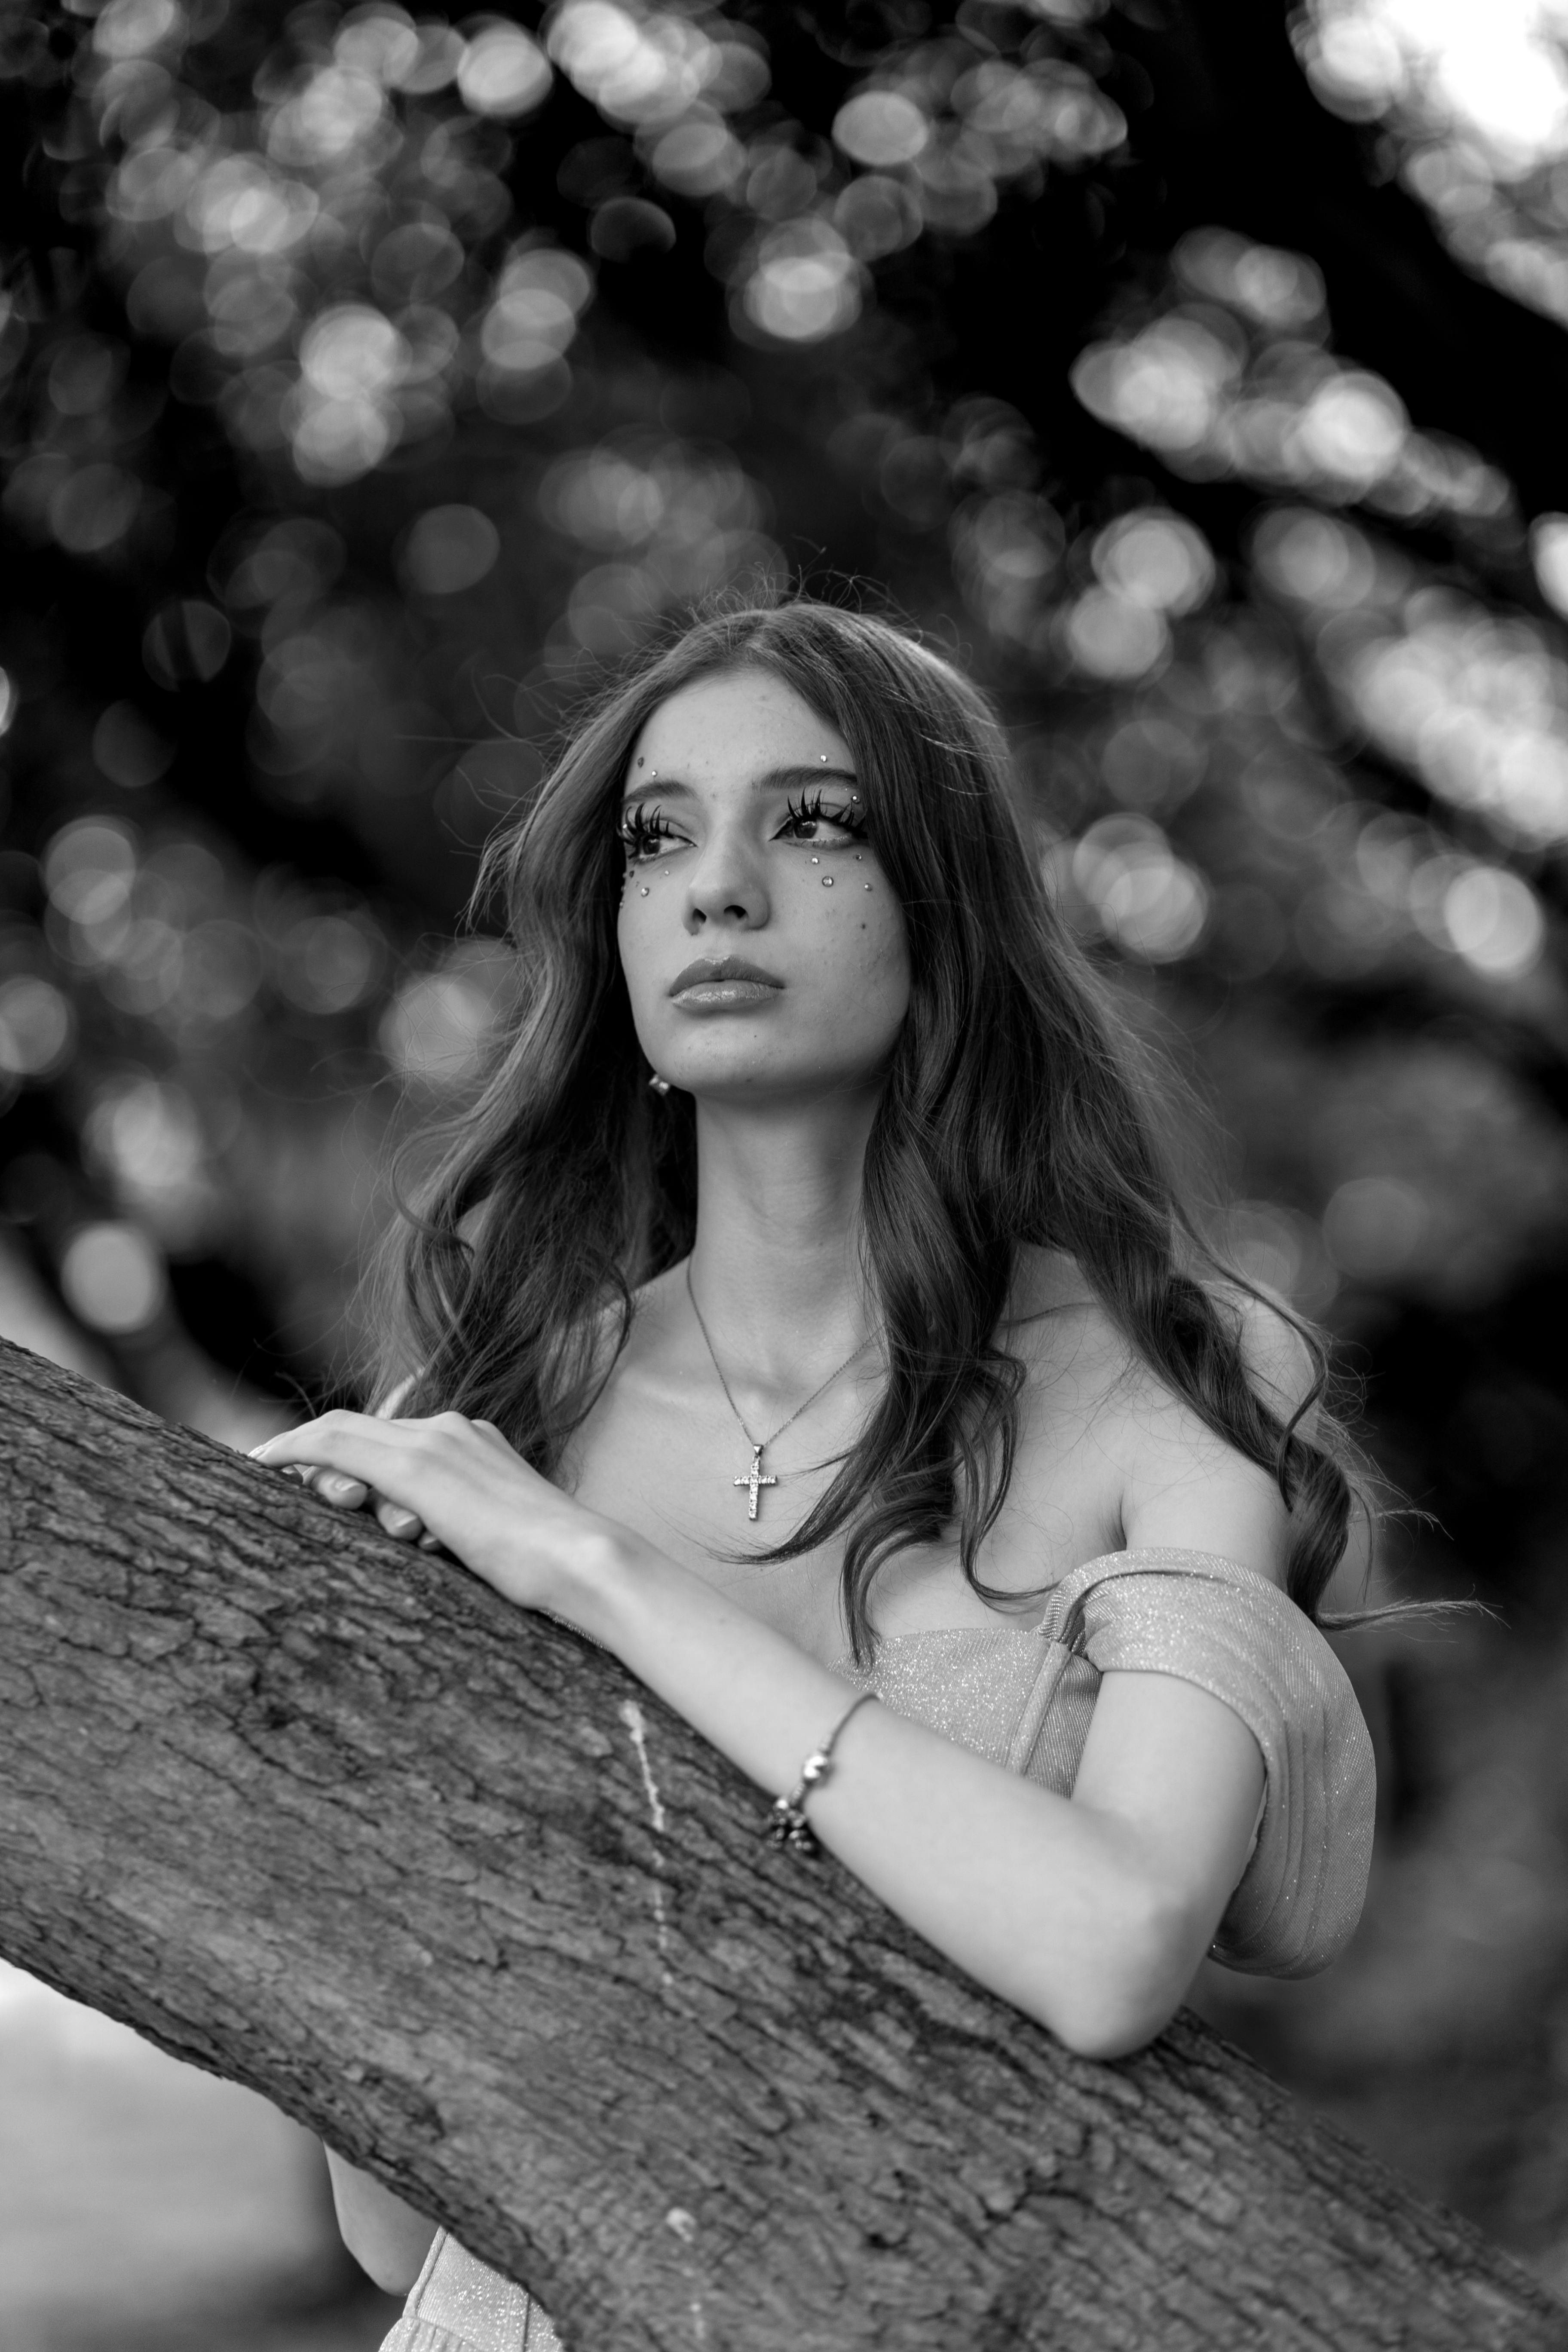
(1091, 1914)
(385, 2237)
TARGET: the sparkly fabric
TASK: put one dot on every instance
(1025, 1699)
(460, 2305)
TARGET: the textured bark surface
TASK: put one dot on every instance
(439, 1878)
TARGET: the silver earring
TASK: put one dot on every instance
(659, 1085)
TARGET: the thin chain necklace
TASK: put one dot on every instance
(755, 1479)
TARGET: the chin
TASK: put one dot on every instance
(778, 1083)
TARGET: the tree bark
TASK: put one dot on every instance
(329, 1817)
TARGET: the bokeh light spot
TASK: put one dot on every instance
(805, 284)
(112, 1278)
(503, 72)
(128, 28)
(88, 868)
(92, 510)
(438, 1028)
(1152, 904)
(1374, 1227)
(625, 226)
(1156, 559)
(881, 127)
(448, 549)
(1548, 553)
(186, 640)
(127, 750)
(1494, 920)
(1108, 636)
(37, 1026)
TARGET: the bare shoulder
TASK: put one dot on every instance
(1057, 1325)
(1178, 1482)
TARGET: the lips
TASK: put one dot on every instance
(710, 970)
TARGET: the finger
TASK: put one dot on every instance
(335, 1486)
(348, 1442)
(399, 1522)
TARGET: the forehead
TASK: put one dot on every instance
(738, 720)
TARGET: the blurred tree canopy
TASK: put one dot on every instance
(1192, 370)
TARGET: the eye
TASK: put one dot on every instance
(641, 829)
(825, 824)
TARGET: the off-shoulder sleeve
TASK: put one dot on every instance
(1232, 1633)
(457, 2304)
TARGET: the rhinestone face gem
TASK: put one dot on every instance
(828, 881)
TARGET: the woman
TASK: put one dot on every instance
(864, 1351)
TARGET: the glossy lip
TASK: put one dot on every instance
(711, 970)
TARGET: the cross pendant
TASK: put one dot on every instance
(753, 1481)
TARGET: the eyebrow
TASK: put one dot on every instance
(775, 780)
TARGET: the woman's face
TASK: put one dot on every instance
(763, 946)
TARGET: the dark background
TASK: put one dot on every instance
(1193, 373)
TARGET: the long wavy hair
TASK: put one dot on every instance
(1018, 1109)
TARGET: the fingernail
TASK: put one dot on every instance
(399, 1522)
(427, 1542)
(337, 1487)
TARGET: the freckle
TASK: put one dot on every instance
(828, 881)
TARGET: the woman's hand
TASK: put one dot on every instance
(461, 1484)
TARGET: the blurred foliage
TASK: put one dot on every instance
(1196, 375)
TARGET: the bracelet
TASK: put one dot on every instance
(787, 1824)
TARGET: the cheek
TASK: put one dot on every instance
(632, 942)
(861, 926)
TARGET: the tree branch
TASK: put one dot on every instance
(327, 1816)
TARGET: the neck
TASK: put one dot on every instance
(776, 1266)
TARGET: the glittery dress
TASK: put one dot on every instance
(1025, 1700)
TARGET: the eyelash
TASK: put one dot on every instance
(641, 826)
(811, 809)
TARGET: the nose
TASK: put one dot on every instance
(725, 886)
